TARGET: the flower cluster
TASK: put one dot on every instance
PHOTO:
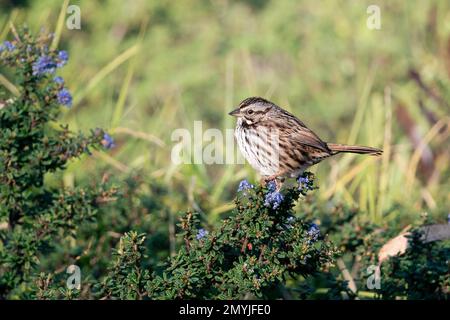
(44, 65)
(47, 64)
(305, 182)
(42, 61)
(108, 141)
(58, 80)
(64, 97)
(273, 197)
(314, 232)
(62, 58)
(8, 46)
(201, 234)
(244, 185)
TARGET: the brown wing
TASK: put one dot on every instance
(298, 134)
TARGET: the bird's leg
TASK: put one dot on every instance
(263, 181)
(274, 177)
(279, 183)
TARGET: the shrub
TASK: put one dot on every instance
(250, 254)
(33, 216)
(421, 272)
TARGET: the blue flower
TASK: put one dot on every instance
(108, 141)
(201, 234)
(302, 179)
(8, 46)
(44, 65)
(244, 185)
(58, 80)
(63, 56)
(304, 183)
(273, 199)
(289, 222)
(314, 232)
(271, 186)
(448, 218)
(64, 97)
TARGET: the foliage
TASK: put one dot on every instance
(233, 261)
(34, 218)
(250, 253)
(421, 272)
(126, 279)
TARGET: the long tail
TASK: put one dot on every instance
(337, 148)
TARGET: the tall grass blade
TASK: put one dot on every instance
(105, 71)
(60, 25)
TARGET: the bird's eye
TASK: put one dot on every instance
(250, 111)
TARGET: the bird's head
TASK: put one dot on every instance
(253, 110)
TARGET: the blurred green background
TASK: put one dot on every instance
(142, 69)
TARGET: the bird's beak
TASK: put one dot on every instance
(235, 113)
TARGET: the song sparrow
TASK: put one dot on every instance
(277, 144)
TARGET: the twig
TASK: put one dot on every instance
(244, 244)
(346, 274)
(414, 74)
